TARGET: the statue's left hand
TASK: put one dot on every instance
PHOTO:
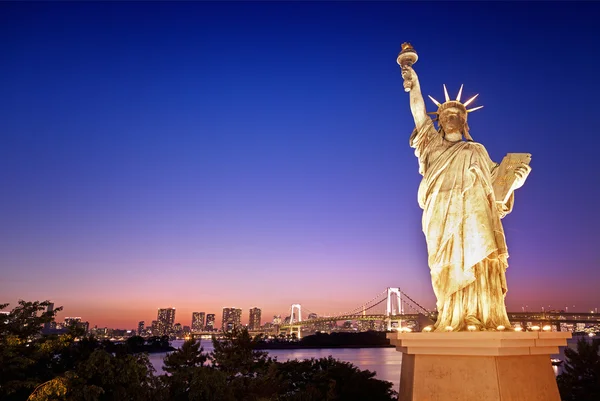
(521, 172)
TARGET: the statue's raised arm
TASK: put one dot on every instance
(406, 59)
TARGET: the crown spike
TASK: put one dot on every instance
(446, 93)
(459, 93)
(474, 108)
(434, 101)
(468, 102)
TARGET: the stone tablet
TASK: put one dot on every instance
(503, 184)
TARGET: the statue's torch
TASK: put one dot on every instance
(406, 58)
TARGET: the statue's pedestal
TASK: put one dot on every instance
(478, 366)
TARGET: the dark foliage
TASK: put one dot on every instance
(328, 379)
(236, 354)
(581, 378)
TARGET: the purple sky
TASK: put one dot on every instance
(201, 155)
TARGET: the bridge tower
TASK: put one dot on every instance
(393, 309)
(296, 319)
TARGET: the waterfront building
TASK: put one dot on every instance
(254, 322)
(70, 321)
(76, 321)
(178, 329)
(140, 328)
(232, 318)
(197, 321)
(154, 328)
(210, 322)
(166, 320)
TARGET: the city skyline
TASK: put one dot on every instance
(204, 155)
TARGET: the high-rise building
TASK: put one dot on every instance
(254, 322)
(49, 309)
(178, 329)
(197, 321)
(210, 322)
(232, 318)
(140, 328)
(155, 327)
(166, 320)
(276, 320)
(70, 321)
(76, 322)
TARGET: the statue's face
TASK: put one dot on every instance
(453, 120)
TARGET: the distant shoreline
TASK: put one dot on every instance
(367, 339)
(301, 346)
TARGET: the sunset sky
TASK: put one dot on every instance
(200, 155)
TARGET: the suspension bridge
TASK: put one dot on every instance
(392, 307)
(396, 310)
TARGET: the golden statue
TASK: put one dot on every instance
(463, 194)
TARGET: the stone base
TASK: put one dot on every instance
(478, 366)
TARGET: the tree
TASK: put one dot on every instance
(182, 365)
(107, 377)
(210, 385)
(328, 379)
(580, 380)
(26, 358)
(135, 344)
(25, 321)
(236, 354)
(190, 355)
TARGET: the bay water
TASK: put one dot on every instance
(385, 362)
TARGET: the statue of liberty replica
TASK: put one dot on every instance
(464, 196)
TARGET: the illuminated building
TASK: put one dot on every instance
(232, 318)
(210, 322)
(47, 325)
(277, 320)
(197, 321)
(70, 321)
(140, 328)
(76, 321)
(154, 328)
(178, 329)
(166, 320)
(254, 323)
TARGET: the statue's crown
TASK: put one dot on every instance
(454, 103)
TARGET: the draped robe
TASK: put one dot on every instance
(461, 222)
